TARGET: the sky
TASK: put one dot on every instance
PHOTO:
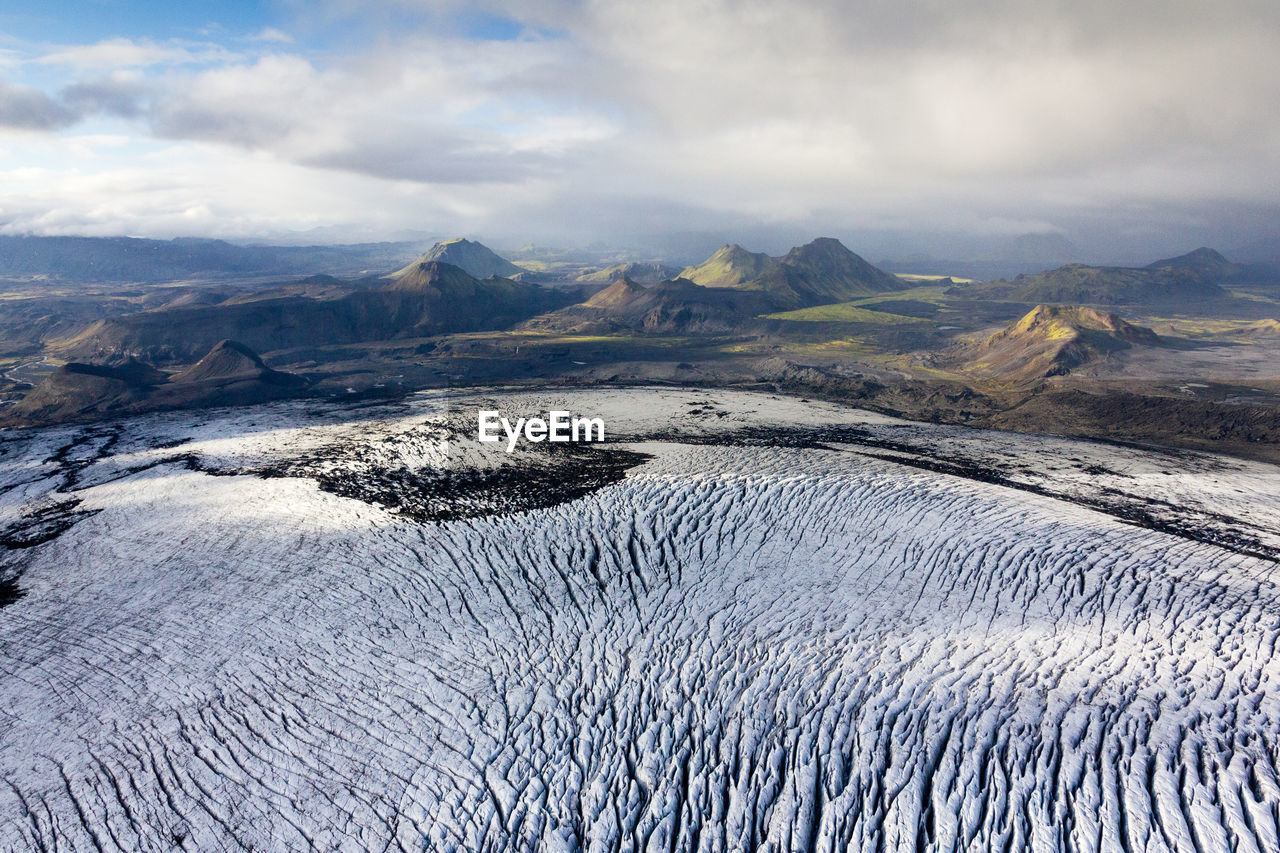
(1126, 130)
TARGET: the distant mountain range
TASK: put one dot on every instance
(432, 296)
(818, 319)
(729, 289)
(1194, 277)
(670, 307)
(130, 259)
(732, 293)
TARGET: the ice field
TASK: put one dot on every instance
(747, 623)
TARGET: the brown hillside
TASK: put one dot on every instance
(1051, 340)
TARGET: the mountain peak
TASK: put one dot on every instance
(638, 272)
(1204, 253)
(823, 244)
(1204, 261)
(1052, 340)
(476, 259)
(423, 274)
(622, 292)
(825, 270)
(730, 266)
(227, 360)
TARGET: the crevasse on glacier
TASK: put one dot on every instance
(733, 648)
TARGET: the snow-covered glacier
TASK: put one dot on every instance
(746, 623)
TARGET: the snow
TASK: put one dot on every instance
(739, 645)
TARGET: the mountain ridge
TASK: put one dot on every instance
(1075, 284)
(821, 271)
(428, 298)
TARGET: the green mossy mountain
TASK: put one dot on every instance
(476, 259)
(730, 266)
(820, 272)
(744, 286)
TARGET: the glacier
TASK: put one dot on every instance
(748, 622)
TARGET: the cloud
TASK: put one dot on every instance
(121, 53)
(820, 114)
(455, 115)
(119, 95)
(991, 88)
(25, 108)
(436, 158)
(192, 189)
(273, 35)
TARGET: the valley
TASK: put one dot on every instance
(1193, 338)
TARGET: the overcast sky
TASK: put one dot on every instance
(1128, 128)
